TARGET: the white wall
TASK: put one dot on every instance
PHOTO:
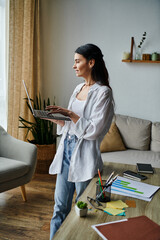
(110, 24)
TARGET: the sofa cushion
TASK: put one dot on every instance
(11, 169)
(132, 157)
(155, 137)
(135, 132)
(112, 141)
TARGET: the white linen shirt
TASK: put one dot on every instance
(90, 130)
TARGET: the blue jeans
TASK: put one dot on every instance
(64, 189)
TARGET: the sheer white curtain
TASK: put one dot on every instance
(4, 10)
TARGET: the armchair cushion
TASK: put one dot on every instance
(11, 169)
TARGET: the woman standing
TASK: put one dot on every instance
(91, 110)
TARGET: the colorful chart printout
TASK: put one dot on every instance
(131, 188)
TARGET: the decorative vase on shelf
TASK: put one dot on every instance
(138, 54)
(154, 56)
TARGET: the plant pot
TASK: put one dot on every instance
(81, 212)
(45, 155)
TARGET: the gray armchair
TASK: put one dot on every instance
(17, 162)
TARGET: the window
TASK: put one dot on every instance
(3, 63)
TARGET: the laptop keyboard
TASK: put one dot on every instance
(44, 114)
(41, 113)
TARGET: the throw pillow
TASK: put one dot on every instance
(135, 132)
(112, 141)
(155, 137)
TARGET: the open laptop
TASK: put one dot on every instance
(42, 113)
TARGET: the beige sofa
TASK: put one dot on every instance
(141, 139)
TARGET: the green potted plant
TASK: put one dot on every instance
(43, 135)
(81, 208)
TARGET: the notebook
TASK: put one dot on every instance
(42, 113)
(136, 228)
(144, 168)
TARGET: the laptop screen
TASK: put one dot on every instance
(27, 95)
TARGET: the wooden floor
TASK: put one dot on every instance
(21, 220)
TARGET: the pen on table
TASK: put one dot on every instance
(101, 182)
(100, 187)
(112, 180)
(109, 178)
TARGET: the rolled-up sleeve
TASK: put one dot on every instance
(100, 117)
(60, 129)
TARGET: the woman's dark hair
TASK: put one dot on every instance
(99, 71)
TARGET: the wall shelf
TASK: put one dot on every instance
(137, 61)
(140, 61)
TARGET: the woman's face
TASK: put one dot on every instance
(82, 67)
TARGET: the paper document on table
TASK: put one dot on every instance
(131, 188)
(119, 204)
(114, 211)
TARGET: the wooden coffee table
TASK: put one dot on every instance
(76, 228)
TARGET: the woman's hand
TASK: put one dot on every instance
(59, 122)
(57, 109)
